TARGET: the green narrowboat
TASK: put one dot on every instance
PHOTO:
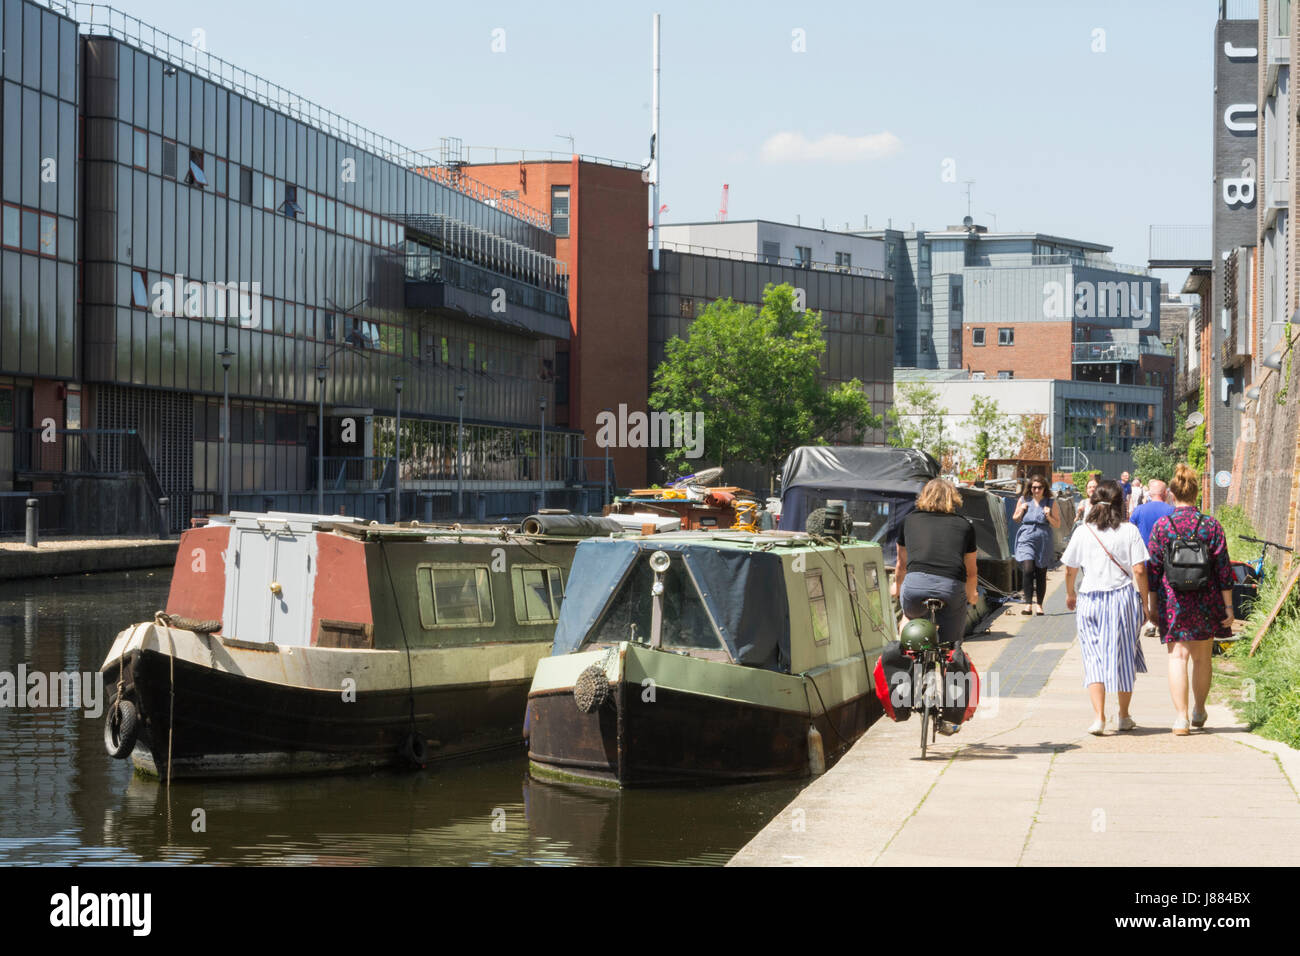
(709, 657)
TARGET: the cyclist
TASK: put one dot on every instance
(937, 559)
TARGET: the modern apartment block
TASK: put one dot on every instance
(212, 217)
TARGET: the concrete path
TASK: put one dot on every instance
(1025, 784)
(55, 556)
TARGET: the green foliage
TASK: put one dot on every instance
(1236, 523)
(755, 374)
(1196, 451)
(924, 425)
(997, 435)
(1154, 461)
(1272, 676)
(1080, 479)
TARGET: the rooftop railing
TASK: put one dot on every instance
(97, 19)
(1026, 260)
(745, 256)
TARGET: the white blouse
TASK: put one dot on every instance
(1097, 572)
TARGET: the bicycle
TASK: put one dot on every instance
(1246, 576)
(920, 638)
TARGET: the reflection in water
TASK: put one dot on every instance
(64, 800)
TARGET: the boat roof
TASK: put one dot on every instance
(742, 540)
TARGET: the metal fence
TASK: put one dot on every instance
(1179, 244)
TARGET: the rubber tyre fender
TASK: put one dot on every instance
(591, 689)
(414, 750)
(121, 728)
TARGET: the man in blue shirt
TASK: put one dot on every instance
(1126, 486)
(1145, 516)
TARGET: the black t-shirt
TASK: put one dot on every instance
(937, 543)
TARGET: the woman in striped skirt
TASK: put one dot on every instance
(1107, 558)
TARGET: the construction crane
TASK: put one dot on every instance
(722, 212)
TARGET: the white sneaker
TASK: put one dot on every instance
(1127, 723)
(1098, 727)
(1199, 718)
(1180, 728)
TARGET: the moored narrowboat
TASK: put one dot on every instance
(305, 644)
(709, 657)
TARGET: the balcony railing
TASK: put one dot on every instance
(1097, 352)
(770, 260)
(1182, 247)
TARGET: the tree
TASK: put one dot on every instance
(1154, 461)
(1034, 443)
(917, 421)
(755, 376)
(995, 432)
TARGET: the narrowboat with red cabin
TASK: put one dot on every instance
(307, 644)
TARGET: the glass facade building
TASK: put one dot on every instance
(204, 215)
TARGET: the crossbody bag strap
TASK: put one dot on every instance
(1127, 573)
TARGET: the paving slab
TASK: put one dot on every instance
(1025, 784)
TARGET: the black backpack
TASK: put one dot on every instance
(1187, 559)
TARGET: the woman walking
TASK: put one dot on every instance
(1107, 558)
(1034, 552)
(1191, 597)
(1081, 509)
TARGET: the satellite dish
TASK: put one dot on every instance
(1194, 420)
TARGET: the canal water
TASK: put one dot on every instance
(63, 800)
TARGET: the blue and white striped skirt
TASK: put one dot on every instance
(1108, 623)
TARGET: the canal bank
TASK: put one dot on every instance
(1025, 784)
(57, 557)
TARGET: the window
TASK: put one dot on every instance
(627, 617)
(169, 159)
(955, 298)
(560, 210)
(139, 289)
(245, 184)
(11, 236)
(1006, 374)
(880, 326)
(141, 149)
(329, 327)
(977, 376)
(844, 260)
(821, 623)
(196, 176)
(6, 407)
(923, 255)
(538, 592)
(1006, 336)
(925, 343)
(290, 206)
(454, 596)
(976, 336)
(804, 255)
(954, 341)
(49, 236)
(925, 297)
(771, 251)
(686, 308)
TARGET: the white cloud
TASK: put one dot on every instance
(833, 147)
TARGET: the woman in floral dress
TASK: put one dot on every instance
(1190, 620)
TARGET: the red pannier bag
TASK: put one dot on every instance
(961, 692)
(893, 681)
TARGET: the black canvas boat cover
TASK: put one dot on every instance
(879, 467)
(744, 592)
(882, 480)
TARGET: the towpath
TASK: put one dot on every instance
(1024, 783)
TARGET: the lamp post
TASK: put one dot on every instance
(321, 371)
(226, 356)
(397, 470)
(541, 406)
(460, 434)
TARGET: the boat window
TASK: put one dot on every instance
(539, 592)
(454, 596)
(686, 621)
(821, 623)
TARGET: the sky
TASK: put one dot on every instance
(1090, 119)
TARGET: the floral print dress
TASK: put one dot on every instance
(1190, 615)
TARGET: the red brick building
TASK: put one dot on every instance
(599, 215)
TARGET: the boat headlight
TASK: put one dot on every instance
(659, 562)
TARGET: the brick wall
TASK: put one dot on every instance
(1040, 350)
